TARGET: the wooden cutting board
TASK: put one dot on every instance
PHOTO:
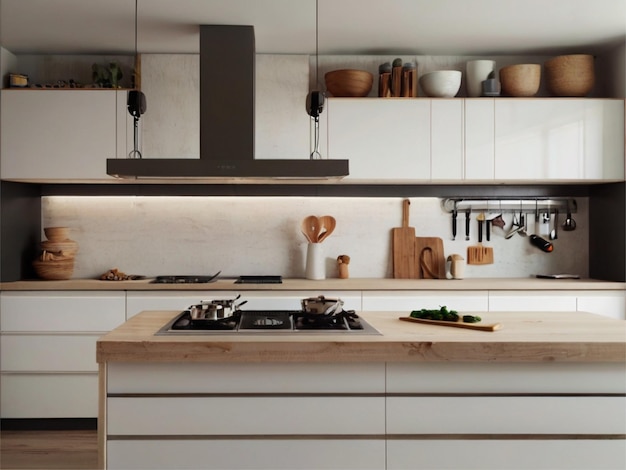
(454, 324)
(404, 266)
(429, 258)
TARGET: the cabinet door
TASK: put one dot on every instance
(604, 140)
(539, 139)
(57, 134)
(446, 151)
(383, 139)
(70, 311)
(539, 301)
(559, 139)
(49, 395)
(479, 139)
(610, 304)
(475, 301)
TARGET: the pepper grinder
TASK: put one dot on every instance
(342, 265)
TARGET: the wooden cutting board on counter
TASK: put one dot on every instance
(454, 324)
(429, 258)
(404, 247)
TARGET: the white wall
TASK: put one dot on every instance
(261, 235)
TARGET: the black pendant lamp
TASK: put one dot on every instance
(136, 99)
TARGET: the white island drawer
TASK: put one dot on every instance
(257, 454)
(223, 415)
(507, 415)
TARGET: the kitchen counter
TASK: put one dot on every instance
(524, 337)
(361, 284)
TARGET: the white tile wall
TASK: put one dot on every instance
(261, 235)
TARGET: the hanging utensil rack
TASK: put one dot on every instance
(510, 205)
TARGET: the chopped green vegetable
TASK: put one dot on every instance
(471, 319)
(442, 314)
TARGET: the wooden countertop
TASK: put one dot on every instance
(524, 337)
(326, 285)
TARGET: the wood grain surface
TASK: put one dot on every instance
(524, 337)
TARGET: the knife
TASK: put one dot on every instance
(467, 224)
(454, 214)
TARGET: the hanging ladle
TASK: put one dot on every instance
(569, 224)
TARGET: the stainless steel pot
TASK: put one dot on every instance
(322, 305)
(215, 309)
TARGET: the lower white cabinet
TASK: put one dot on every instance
(253, 454)
(245, 416)
(48, 351)
(608, 303)
(506, 454)
(532, 301)
(406, 301)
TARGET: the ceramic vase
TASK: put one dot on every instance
(315, 262)
(476, 72)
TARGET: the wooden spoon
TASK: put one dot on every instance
(328, 223)
(311, 226)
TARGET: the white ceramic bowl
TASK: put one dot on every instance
(441, 84)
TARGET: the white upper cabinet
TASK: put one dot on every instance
(447, 147)
(559, 139)
(479, 139)
(61, 134)
(386, 139)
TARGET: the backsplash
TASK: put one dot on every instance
(261, 235)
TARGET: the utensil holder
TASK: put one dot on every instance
(315, 262)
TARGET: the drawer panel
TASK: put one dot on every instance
(258, 454)
(38, 353)
(545, 301)
(242, 378)
(544, 377)
(576, 454)
(506, 415)
(245, 415)
(49, 396)
(62, 311)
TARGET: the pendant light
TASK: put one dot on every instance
(136, 99)
(315, 98)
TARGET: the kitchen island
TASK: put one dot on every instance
(547, 390)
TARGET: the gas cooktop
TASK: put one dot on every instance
(270, 321)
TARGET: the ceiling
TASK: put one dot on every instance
(416, 27)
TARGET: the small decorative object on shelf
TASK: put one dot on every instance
(342, 266)
(18, 80)
(107, 77)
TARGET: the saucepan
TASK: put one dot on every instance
(215, 309)
(321, 305)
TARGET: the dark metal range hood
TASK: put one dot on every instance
(227, 122)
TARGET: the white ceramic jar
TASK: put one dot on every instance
(476, 71)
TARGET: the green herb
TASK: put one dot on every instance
(471, 319)
(442, 314)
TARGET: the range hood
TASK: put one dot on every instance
(227, 122)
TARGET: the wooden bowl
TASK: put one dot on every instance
(54, 269)
(520, 79)
(68, 247)
(570, 75)
(56, 234)
(349, 82)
